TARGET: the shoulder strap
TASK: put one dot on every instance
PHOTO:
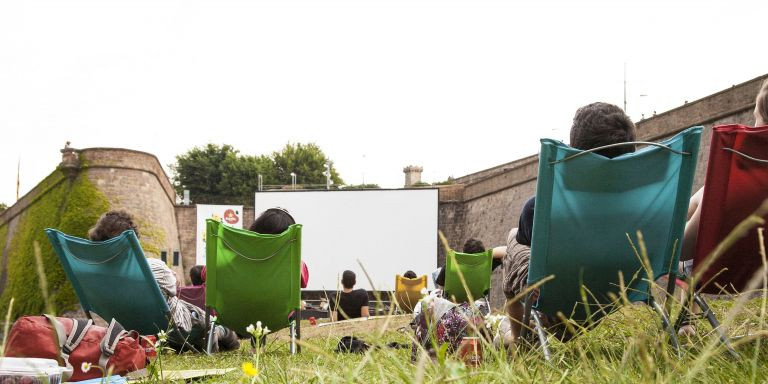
(79, 329)
(61, 336)
(108, 344)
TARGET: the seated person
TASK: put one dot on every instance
(188, 320)
(196, 275)
(194, 294)
(275, 221)
(350, 303)
(594, 125)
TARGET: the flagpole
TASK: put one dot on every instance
(18, 177)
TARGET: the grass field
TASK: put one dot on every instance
(627, 346)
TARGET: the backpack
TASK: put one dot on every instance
(73, 342)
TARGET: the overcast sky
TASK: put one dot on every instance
(453, 86)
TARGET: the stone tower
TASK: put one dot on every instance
(412, 175)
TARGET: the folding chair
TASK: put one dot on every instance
(112, 279)
(587, 208)
(476, 270)
(253, 277)
(408, 292)
(735, 186)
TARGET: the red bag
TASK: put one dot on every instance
(73, 342)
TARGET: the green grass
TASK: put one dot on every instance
(628, 346)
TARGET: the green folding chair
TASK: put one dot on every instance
(254, 277)
(476, 270)
(112, 279)
(587, 209)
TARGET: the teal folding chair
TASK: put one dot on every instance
(112, 279)
(587, 209)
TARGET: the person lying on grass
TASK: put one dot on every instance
(437, 321)
(187, 319)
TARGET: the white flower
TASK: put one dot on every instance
(424, 291)
(85, 367)
(493, 321)
(258, 325)
(250, 329)
(265, 331)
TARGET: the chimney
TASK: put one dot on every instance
(412, 175)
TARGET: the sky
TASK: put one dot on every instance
(452, 86)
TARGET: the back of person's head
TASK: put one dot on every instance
(112, 224)
(409, 274)
(348, 279)
(440, 279)
(473, 246)
(599, 124)
(195, 274)
(273, 221)
(761, 105)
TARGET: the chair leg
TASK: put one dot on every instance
(293, 330)
(542, 335)
(527, 308)
(706, 311)
(298, 331)
(210, 326)
(667, 325)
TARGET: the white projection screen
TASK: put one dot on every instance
(389, 231)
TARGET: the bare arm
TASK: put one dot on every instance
(499, 252)
(692, 226)
(364, 311)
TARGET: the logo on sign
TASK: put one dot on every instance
(230, 217)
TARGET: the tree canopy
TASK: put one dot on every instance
(220, 174)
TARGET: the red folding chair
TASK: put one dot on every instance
(736, 185)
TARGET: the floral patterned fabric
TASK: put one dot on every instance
(460, 321)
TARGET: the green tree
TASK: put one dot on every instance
(219, 174)
(307, 161)
(3, 207)
(362, 186)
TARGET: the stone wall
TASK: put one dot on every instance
(132, 181)
(135, 182)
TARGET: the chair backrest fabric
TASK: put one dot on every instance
(735, 186)
(252, 277)
(588, 207)
(112, 279)
(476, 269)
(408, 291)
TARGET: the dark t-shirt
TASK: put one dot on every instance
(525, 226)
(350, 304)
